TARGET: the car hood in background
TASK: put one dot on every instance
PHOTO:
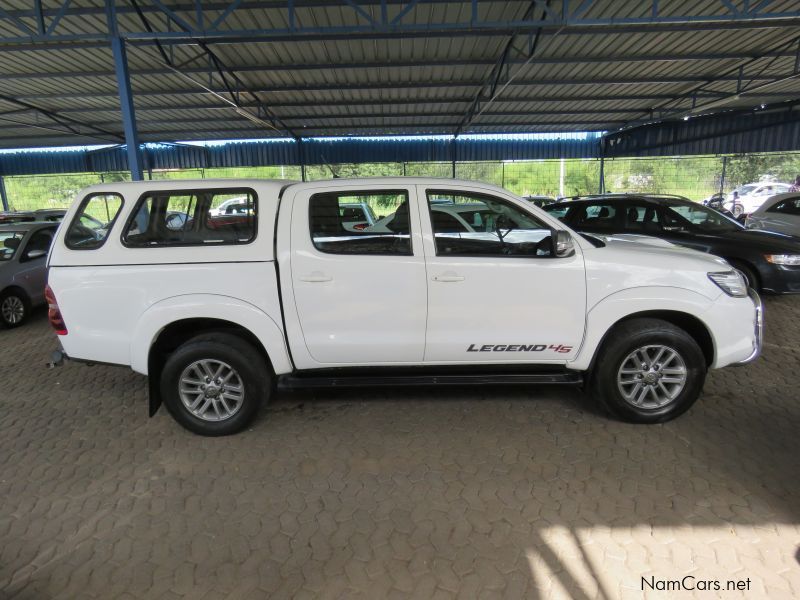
(758, 239)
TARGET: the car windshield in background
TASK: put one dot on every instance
(679, 213)
(9, 242)
(746, 189)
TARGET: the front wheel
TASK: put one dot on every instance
(649, 371)
(214, 384)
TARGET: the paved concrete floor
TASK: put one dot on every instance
(468, 492)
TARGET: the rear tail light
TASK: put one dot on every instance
(54, 313)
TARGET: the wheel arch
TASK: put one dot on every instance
(681, 307)
(751, 267)
(687, 322)
(16, 288)
(168, 324)
(177, 333)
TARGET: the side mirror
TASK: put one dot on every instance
(563, 244)
(36, 254)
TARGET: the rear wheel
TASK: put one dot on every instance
(214, 384)
(14, 308)
(649, 371)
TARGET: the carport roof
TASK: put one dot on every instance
(256, 69)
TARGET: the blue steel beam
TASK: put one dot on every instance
(126, 106)
(3, 194)
(564, 15)
(94, 41)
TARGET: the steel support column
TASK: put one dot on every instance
(722, 178)
(3, 194)
(126, 105)
(602, 186)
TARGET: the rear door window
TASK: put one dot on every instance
(601, 216)
(93, 222)
(641, 218)
(334, 231)
(192, 218)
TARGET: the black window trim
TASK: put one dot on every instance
(79, 212)
(190, 192)
(405, 192)
(462, 192)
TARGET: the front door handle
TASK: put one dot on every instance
(316, 277)
(448, 277)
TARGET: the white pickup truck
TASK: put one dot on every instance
(218, 310)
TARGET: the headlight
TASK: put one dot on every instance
(783, 259)
(730, 282)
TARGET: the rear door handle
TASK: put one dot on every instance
(316, 277)
(448, 277)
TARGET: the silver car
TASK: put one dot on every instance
(780, 214)
(23, 269)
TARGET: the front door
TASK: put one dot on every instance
(360, 294)
(496, 293)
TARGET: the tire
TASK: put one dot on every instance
(219, 409)
(748, 272)
(615, 355)
(14, 308)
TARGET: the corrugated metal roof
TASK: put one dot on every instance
(577, 79)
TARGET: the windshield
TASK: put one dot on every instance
(679, 215)
(746, 189)
(9, 242)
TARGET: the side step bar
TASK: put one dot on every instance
(297, 382)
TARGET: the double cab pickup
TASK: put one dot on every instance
(454, 282)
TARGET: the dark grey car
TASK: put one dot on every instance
(23, 269)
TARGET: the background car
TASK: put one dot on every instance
(16, 216)
(50, 214)
(23, 269)
(779, 213)
(540, 200)
(769, 261)
(356, 216)
(753, 195)
(222, 209)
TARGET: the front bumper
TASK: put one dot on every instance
(758, 329)
(781, 279)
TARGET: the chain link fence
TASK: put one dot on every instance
(696, 177)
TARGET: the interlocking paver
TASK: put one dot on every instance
(386, 493)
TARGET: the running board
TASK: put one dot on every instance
(308, 381)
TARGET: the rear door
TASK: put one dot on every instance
(359, 295)
(496, 293)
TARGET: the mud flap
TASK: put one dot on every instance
(155, 395)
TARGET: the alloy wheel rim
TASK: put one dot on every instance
(211, 390)
(13, 310)
(652, 376)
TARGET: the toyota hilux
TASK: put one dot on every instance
(219, 314)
